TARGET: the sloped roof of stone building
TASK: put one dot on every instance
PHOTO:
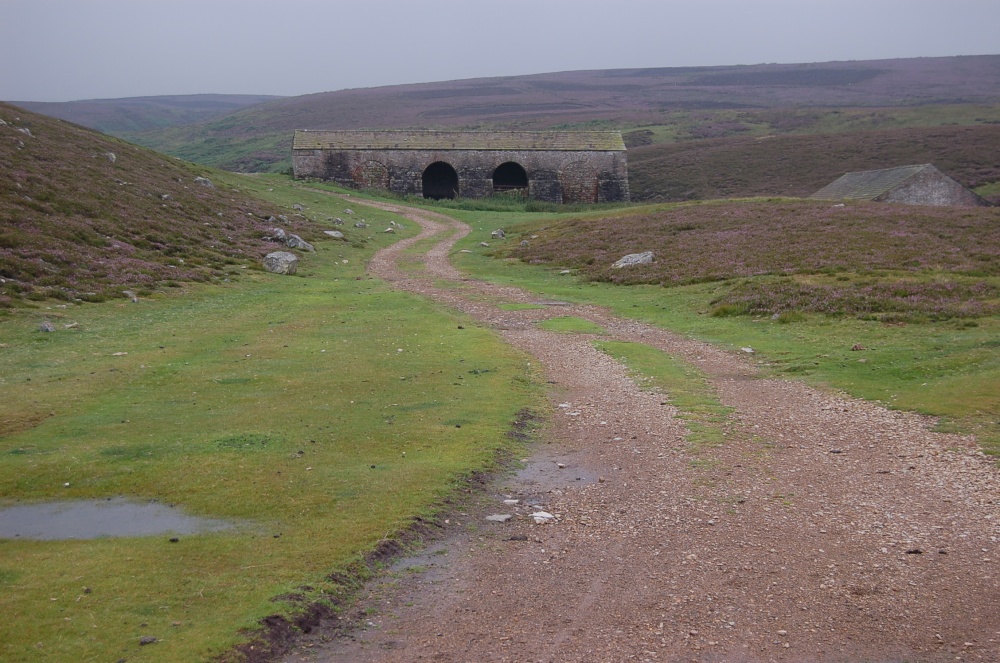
(869, 184)
(574, 141)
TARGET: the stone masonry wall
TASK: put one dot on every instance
(554, 176)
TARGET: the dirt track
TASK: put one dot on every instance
(825, 529)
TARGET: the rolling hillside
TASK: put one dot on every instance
(692, 98)
(693, 132)
(799, 165)
(84, 216)
(119, 117)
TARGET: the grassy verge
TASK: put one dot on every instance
(568, 324)
(685, 387)
(322, 412)
(947, 368)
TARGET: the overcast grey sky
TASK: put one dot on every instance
(61, 50)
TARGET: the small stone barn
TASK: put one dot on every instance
(912, 185)
(554, 166)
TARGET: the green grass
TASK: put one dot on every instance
(568, 324)
(948, 369)
(520, 307)
(684, 386)
(322, 412)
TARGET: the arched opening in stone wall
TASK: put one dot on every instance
(440, 181)
(510, 177)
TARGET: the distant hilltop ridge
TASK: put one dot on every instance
(135, 114)
(692, 132)
(544, 100)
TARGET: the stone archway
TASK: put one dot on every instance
(440, 181)
(510, 177)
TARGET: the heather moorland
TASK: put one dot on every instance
(328, 417)
(862, 259)
(864, 103)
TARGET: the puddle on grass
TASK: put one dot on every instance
(93, 519)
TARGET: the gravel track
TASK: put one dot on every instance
(826, 528)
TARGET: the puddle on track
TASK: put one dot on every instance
(93, 519)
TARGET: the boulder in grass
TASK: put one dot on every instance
(296, 242)
(290, 240)
(281, 262)
(336, 234)
(204, 181)
(643, 258)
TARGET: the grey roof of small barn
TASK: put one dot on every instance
(573, 141)
(868, 184)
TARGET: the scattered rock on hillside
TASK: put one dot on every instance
(204, 181)
(643, 258)
(299, 207)
(361, 224)
(336, 234)
(281, 262)
(290, 240)
(348, 211)
(338, 221)
(498, 234)
(46, 326)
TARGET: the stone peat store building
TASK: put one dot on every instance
(911, 185)
(554, 166)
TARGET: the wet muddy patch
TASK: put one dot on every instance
(94, 519)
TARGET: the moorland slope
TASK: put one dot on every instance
(130, 115)
(84, 216)
(799, 165)
(694, 102)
